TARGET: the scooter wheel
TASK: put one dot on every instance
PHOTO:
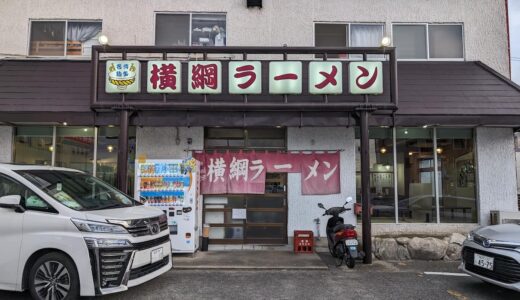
(350, 262)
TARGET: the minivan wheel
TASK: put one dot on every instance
(53, 276)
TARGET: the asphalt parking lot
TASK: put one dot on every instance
(382, 280)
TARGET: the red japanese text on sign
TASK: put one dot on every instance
(243, 71)
(204, 76)
(330, 78)
(164, 76)
(245, 173)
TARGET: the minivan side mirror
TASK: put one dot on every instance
(12, 202)
(321, 205)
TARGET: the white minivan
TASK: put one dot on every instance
(65, 234)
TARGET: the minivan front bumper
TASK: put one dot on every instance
(115, 269)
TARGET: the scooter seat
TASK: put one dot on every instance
(340, 227)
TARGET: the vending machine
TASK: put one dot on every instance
(173, 186)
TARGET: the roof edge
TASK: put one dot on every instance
(498, 75)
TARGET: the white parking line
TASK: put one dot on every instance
(446, 274)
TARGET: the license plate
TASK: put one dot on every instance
(156, 254)
(482, 261)
(351, 242)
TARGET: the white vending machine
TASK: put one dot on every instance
(173, 186)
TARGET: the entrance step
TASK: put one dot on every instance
(250, 247)
(249, 260)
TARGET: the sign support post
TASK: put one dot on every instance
(122, 152)
(365, 186)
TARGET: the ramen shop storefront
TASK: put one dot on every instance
(245, 181)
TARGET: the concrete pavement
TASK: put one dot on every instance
(249, 260)
(382, 280)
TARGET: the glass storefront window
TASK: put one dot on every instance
(75, 148)
(381, 174)
(415, 175)
(457, 175)
(107, 147)
(33, 145)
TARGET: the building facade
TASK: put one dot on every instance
(438, 165)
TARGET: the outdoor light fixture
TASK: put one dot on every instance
(439, 150)
(386, 42)
(85, 129)
(406, 131)
(64, 124)
(110, 148)
(51, 148)
(103, 40)
(410, 153)
(382, 150)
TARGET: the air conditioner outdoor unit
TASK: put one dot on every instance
(254, 3)
(505, 217)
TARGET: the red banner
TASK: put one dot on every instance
(244, 173)
(320, 174)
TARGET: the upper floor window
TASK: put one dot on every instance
(190, 29)
(63, 38)
(347, 35)
(429, 41)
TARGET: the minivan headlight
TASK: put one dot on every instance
(98, 227)
(93, 243)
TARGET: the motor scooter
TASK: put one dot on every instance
(341, 238)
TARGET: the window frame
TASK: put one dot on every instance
(65, 38)
(436, 176)
(348, 32)
(190, 13)
(427, 27)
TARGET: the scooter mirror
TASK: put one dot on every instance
(349, 199)
(321, 205)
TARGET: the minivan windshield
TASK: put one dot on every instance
(77, 190)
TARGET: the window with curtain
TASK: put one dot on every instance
(366, 35)
(60, 38)
(347, 35)
(81, 36)
(204, 30)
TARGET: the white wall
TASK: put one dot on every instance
(159, 142)
(6, 144)
(302, 210)
(291, 22)
(496, 171)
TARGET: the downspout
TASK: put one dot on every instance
(508, 39)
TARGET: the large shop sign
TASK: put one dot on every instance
(244, 173)
(245, 77)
